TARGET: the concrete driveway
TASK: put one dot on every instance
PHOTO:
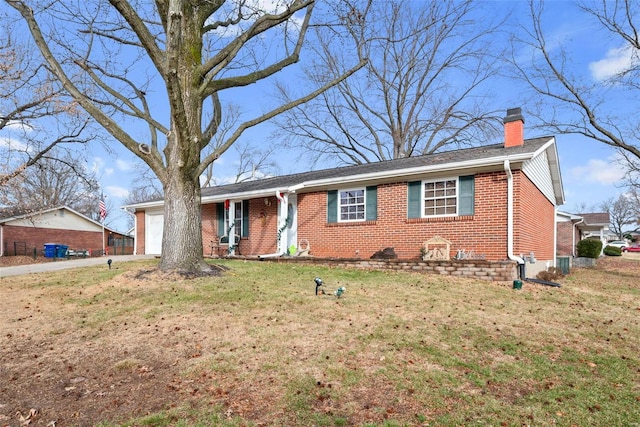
(64, 264)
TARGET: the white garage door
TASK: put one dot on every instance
(153, 233)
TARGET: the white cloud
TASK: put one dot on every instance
(18, 126)
(249, 7)
(116, 191)
(97, 165)
(123, 165)
(100, 168)
(598, 171)
(616, 61)
(13, 144)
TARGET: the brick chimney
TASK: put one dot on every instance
(513, 128)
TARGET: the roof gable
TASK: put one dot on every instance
(62, 217)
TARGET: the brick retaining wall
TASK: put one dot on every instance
(476, 269)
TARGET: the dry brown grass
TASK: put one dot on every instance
(257, 347)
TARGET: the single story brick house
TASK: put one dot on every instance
(21, 234)
(575, 227)
(496, 201)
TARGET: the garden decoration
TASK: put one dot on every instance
(321, 291)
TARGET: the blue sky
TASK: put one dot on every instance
(590, 174)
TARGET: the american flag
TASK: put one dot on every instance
(103, 209)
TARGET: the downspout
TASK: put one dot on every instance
(231, 232)
(555, 237)
(282, 214)
(520, 261)
(135, 230)
(1, 239)
(573, 237)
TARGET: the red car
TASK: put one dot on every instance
(631, 249)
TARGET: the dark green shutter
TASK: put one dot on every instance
(220, 215)
(245, 218)
(467, 195)
(371, 199)
(332, 206)
(413, 196)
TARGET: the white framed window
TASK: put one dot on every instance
(440, 197)
(351, 205)
(237, 220)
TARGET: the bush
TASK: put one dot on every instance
(612, 251)
(589, 248)
(553, 273)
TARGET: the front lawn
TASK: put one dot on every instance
(256, 346)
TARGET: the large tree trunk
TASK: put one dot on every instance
(182, 235)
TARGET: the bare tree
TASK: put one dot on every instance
(634, 200)
(253, 163)
(573, 103)
(170, 66)
(31, 106)
(621, 213)
(422, 89)
(57, 179)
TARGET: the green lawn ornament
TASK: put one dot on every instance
(320, 288)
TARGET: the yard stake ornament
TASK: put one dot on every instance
(320, 288)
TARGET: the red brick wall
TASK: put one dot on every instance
(565, 244)
(534, 220)
(140, 232)
(209, 227)
(36, 238)
(263, 227)
(484, 232)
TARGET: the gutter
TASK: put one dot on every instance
(355, 179)
(407, 173)
(520, 261)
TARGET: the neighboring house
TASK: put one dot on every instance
(575, 227)
(498, 201)
(20, 235)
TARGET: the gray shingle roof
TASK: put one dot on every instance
(445, 158)
(595, 218)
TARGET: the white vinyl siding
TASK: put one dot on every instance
(537, 169)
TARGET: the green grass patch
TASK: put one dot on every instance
(256, 345)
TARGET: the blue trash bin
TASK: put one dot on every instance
(62, 251)
(50, 250)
